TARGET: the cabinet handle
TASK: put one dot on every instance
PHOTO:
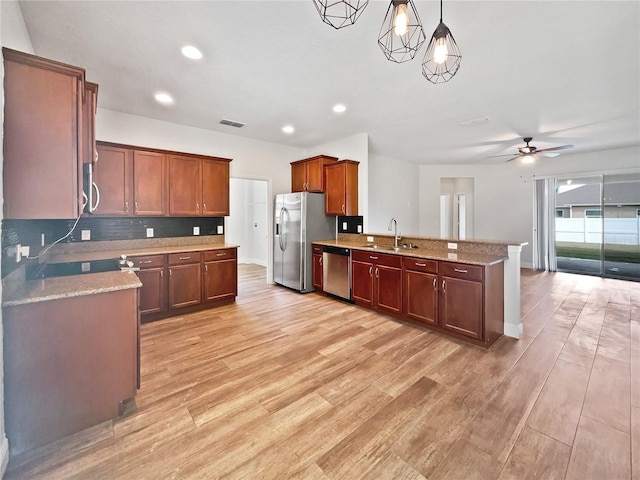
(206, 268)
(197, 207)
(220, 254)
(204, 207)
(459, 270)
(161, 273)
(443, 285)
(136, 206)
(146, 261)
(185, 258)
(170, 274)
(320, 260)
(126, 206)
(370, 270)
(342, 208)
(435, 284)
(421, 264)
(372, 257)
(377, 273)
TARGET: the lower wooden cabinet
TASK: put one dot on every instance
(185, 279)
(220, 274)
(377, 281)
(316, 268)
(421, 290)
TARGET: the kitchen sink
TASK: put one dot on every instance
(389, 248)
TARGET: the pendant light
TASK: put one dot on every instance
(401, 34)
(442, 58)
(340, 13)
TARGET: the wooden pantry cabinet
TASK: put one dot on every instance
(131, 182)
(308, 175)
(377, 281)
(198, 186)
(44, 141)
(342, 188)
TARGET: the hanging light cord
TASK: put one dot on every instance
(440, 11)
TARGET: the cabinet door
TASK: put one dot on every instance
(215, 188)
(149, 184)
(461, 306)
(152, 293)
(298, 177)
(220, 279)
(185, 285)
(42, 138)
(388, 288)
(315, 175)
(335, 194)
(113, 177)
(362, 282)
(317, 271)
(421, 296)
(185, 185)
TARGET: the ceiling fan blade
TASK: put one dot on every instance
(550, 154)
(512, 159)
(553, 149)
(506, 155)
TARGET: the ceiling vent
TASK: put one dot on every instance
(231, 123)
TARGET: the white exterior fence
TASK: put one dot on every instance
(620, 231)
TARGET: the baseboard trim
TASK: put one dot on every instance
(4, 451)
(527, 265)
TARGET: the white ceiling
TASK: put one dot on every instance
(563, 72)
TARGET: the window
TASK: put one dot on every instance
(559, 214)
(593, 213)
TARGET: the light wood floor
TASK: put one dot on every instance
(281, 385)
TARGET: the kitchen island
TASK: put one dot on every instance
(444, 270)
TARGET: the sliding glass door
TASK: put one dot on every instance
(597, 225)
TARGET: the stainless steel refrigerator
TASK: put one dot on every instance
(299, 219)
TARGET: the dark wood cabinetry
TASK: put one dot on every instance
(421, 290)
(185, 279)
(152, 274)
(198, 186)
(377, 281)
(43, 137)
(461, 306)
(341, 188)
(316, 267)
(308, 175)
(131, 182)
(220, 274)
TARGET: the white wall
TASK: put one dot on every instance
(393, 187)
(355, 147)
(13, 34)
(248, 222)
(503, 193)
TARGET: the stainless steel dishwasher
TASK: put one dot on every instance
(336, 271)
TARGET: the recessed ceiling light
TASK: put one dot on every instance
(339, 108)
(164, 98)
(288, 129)
(191, 52)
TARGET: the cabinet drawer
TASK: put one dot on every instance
(420, 265)
(148, 261)
(461, 270)
(182, 258)
(316, 249)
(222, 254)
(378, 258)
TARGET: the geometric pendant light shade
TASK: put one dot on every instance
(401, 34)
(340, 13)
(442, 58)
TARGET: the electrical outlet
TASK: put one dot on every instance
(24, 251)
(452, 246)
(370, 239)
(85, 267)
(452, 256)
(85, 235)
(220, 229)
(359, 228)
(344, 225)
(149, 232)
(196, 230)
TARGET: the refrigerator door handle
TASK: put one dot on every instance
(279, 229)
(283, 234)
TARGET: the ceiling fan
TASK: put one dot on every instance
(527, 154)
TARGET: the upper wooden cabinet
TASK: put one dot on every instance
(131, 182)
(308, 175)
(342, 188)
(198, 186)
(43, 137)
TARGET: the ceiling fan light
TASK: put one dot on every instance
(528, 158)
(398, 46)
(340, 13)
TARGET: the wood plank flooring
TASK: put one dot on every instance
(281, 385)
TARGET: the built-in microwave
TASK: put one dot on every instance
(90, 191)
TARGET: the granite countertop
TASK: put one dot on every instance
(20, 292)
(134, 252)
(426, 253)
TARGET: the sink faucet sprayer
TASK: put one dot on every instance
(395, 231)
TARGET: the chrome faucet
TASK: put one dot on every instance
(394, 222)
